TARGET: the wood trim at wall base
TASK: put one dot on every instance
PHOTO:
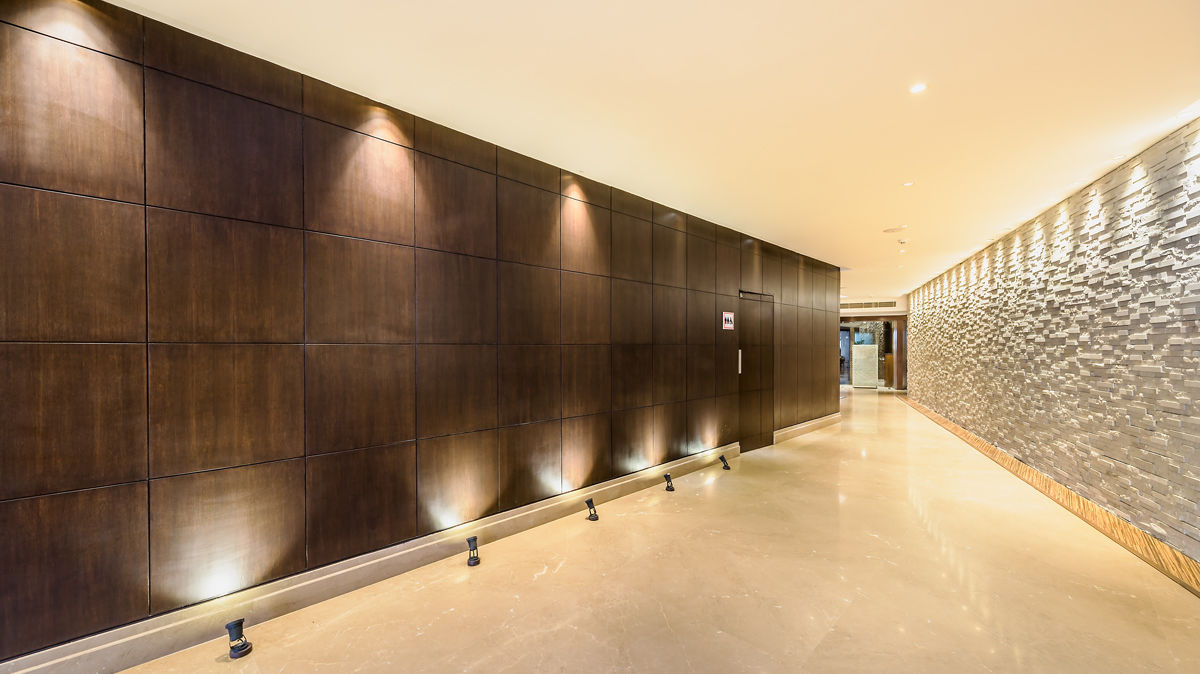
(1171, 562)
(146, 640)
(806, 427)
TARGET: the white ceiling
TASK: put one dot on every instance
(788, 120)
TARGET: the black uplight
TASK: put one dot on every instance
(472, 552)
(592, 514)
(724, 463)
(670, 487)
(239, 647)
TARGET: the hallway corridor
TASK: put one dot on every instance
(882, 543)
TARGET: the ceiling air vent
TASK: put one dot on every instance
(869, 305)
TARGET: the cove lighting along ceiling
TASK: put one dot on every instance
(791, 121)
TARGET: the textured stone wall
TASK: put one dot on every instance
(1073, 342)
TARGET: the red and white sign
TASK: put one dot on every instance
(726, 320)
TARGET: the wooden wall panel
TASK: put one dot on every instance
(530, 304)
(530, 384)
(328, 103)
(587, 380)
(456, 299)
(358, 291)
(212, 152)
(670, 315)
(527, 170)
(360, 501)
(670, 433)
(585, 189)
(73, 564)
(222, 530)
(216, 280)
(72, 118)
(586, 451)
(444, 142)
(586, 309)
(701, 264)
(670, 257)
(357, 185)
(93, 24)
(670, 367)
(74, 416)
(631, 384)
(71, 268)
(459, 479)
(526, 224)
(530, 462)
(456, 207)
(456, 389)
(222, 405)
(703, 425)
(632, 440)
(358, 395)
(632, 248)
(586, 237)
(632, 205)
(632, 312)
(669, 217)
(175, 51)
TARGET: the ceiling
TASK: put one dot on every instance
(789, 120)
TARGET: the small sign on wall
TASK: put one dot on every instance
(726, 320)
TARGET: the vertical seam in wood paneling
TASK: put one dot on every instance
(146, 283)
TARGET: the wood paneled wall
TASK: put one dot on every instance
(252, 324)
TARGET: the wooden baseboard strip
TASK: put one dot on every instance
(1171, 562)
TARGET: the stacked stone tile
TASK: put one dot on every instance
(1073, 342)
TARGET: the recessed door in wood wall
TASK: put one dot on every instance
(755, 325)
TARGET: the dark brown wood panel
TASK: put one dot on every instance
(530, 384)
(456, 299)
(703, 321)
(526, 224)
(703, 425)
(357, 185)
(360, 501)
(670, 217)
(587, 380)
(72, 118)
(728, 237)
(632, 377)
(71, 268)
(586, 451)
(632, 204)
(444, 142)
(578, 187)
(530, 460)
(670, 315)
(456, 207)
(73, 564)
(586, 237)
(193, 57)
(701, 371)
(459, 479)
(632, 440)
(216, 280)
(670, 367)
(632, 248)
(586, 309)
(352, 111)
(527, 170)
(632, 312)
(87, 23)
(751, 271)
(670, 433)
(701, 228)
(222, 405)
(358, 396)
(701, 264)
(456, 389)
(215, 532)
(670, 257)
(213, 152)
(529, 303)
(729, 423)
(358, 291)
(73, 416)
(790, 285)
(729, 270)
(772, 278)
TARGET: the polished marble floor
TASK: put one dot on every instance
(883, 544)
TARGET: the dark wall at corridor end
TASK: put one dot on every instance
(251, 324)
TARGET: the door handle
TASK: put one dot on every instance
(739, 361)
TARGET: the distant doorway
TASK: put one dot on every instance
(756, 370)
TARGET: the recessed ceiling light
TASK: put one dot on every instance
(917, 88)
(908, 184)
(901, 250)
(893, 230)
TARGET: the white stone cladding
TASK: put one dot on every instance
(1073, 342)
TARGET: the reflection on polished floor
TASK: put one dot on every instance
(880, 544)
